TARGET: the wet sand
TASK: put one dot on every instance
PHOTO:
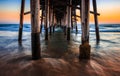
(59, 57)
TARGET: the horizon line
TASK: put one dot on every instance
(77, 23)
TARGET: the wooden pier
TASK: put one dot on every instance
(59, 13)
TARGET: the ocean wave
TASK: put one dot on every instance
(27, 27)
(110, 25)
(14, 27)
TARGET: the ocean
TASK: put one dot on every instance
(60, 57)
(27, 27)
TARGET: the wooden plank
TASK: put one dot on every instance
(21, 20)
(35, 27)
(96, 21)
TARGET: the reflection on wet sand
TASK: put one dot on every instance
(59, 58)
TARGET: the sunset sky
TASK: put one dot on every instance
(109, 10)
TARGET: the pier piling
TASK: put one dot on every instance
(46, 18)
(96, 21)
(41, 25)
(51, 19)
(69, 11)
(85, 47)
(21, 20)
(35, 27)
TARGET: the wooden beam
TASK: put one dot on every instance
(21, 20)
(85, 47)
(35, 27)
(95, 13)
(79, 8)
(90, 11)
(74, 19)
(76, 15)
(60, 10)
(60, 3)
(28, 12)
(96, 21)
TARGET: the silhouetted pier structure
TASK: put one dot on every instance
(63, 13)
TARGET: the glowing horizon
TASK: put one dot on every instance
(108, 9)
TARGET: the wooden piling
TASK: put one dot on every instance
(69, 9)
(75, 21)
(51, 17)
(96, 21)
(54, 22)
(65, 23)
(50, 30)
(35, 35)
(21, 20)
(41, 22)
(65, 29)
(85, 47)
(72, 12)
(46, 18)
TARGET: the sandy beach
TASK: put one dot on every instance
(59, 57)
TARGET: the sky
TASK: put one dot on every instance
(109, 11)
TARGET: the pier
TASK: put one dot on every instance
(59, 13)
(62, 38)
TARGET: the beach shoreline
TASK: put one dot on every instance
(59, 57)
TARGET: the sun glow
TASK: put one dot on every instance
(109, 12)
